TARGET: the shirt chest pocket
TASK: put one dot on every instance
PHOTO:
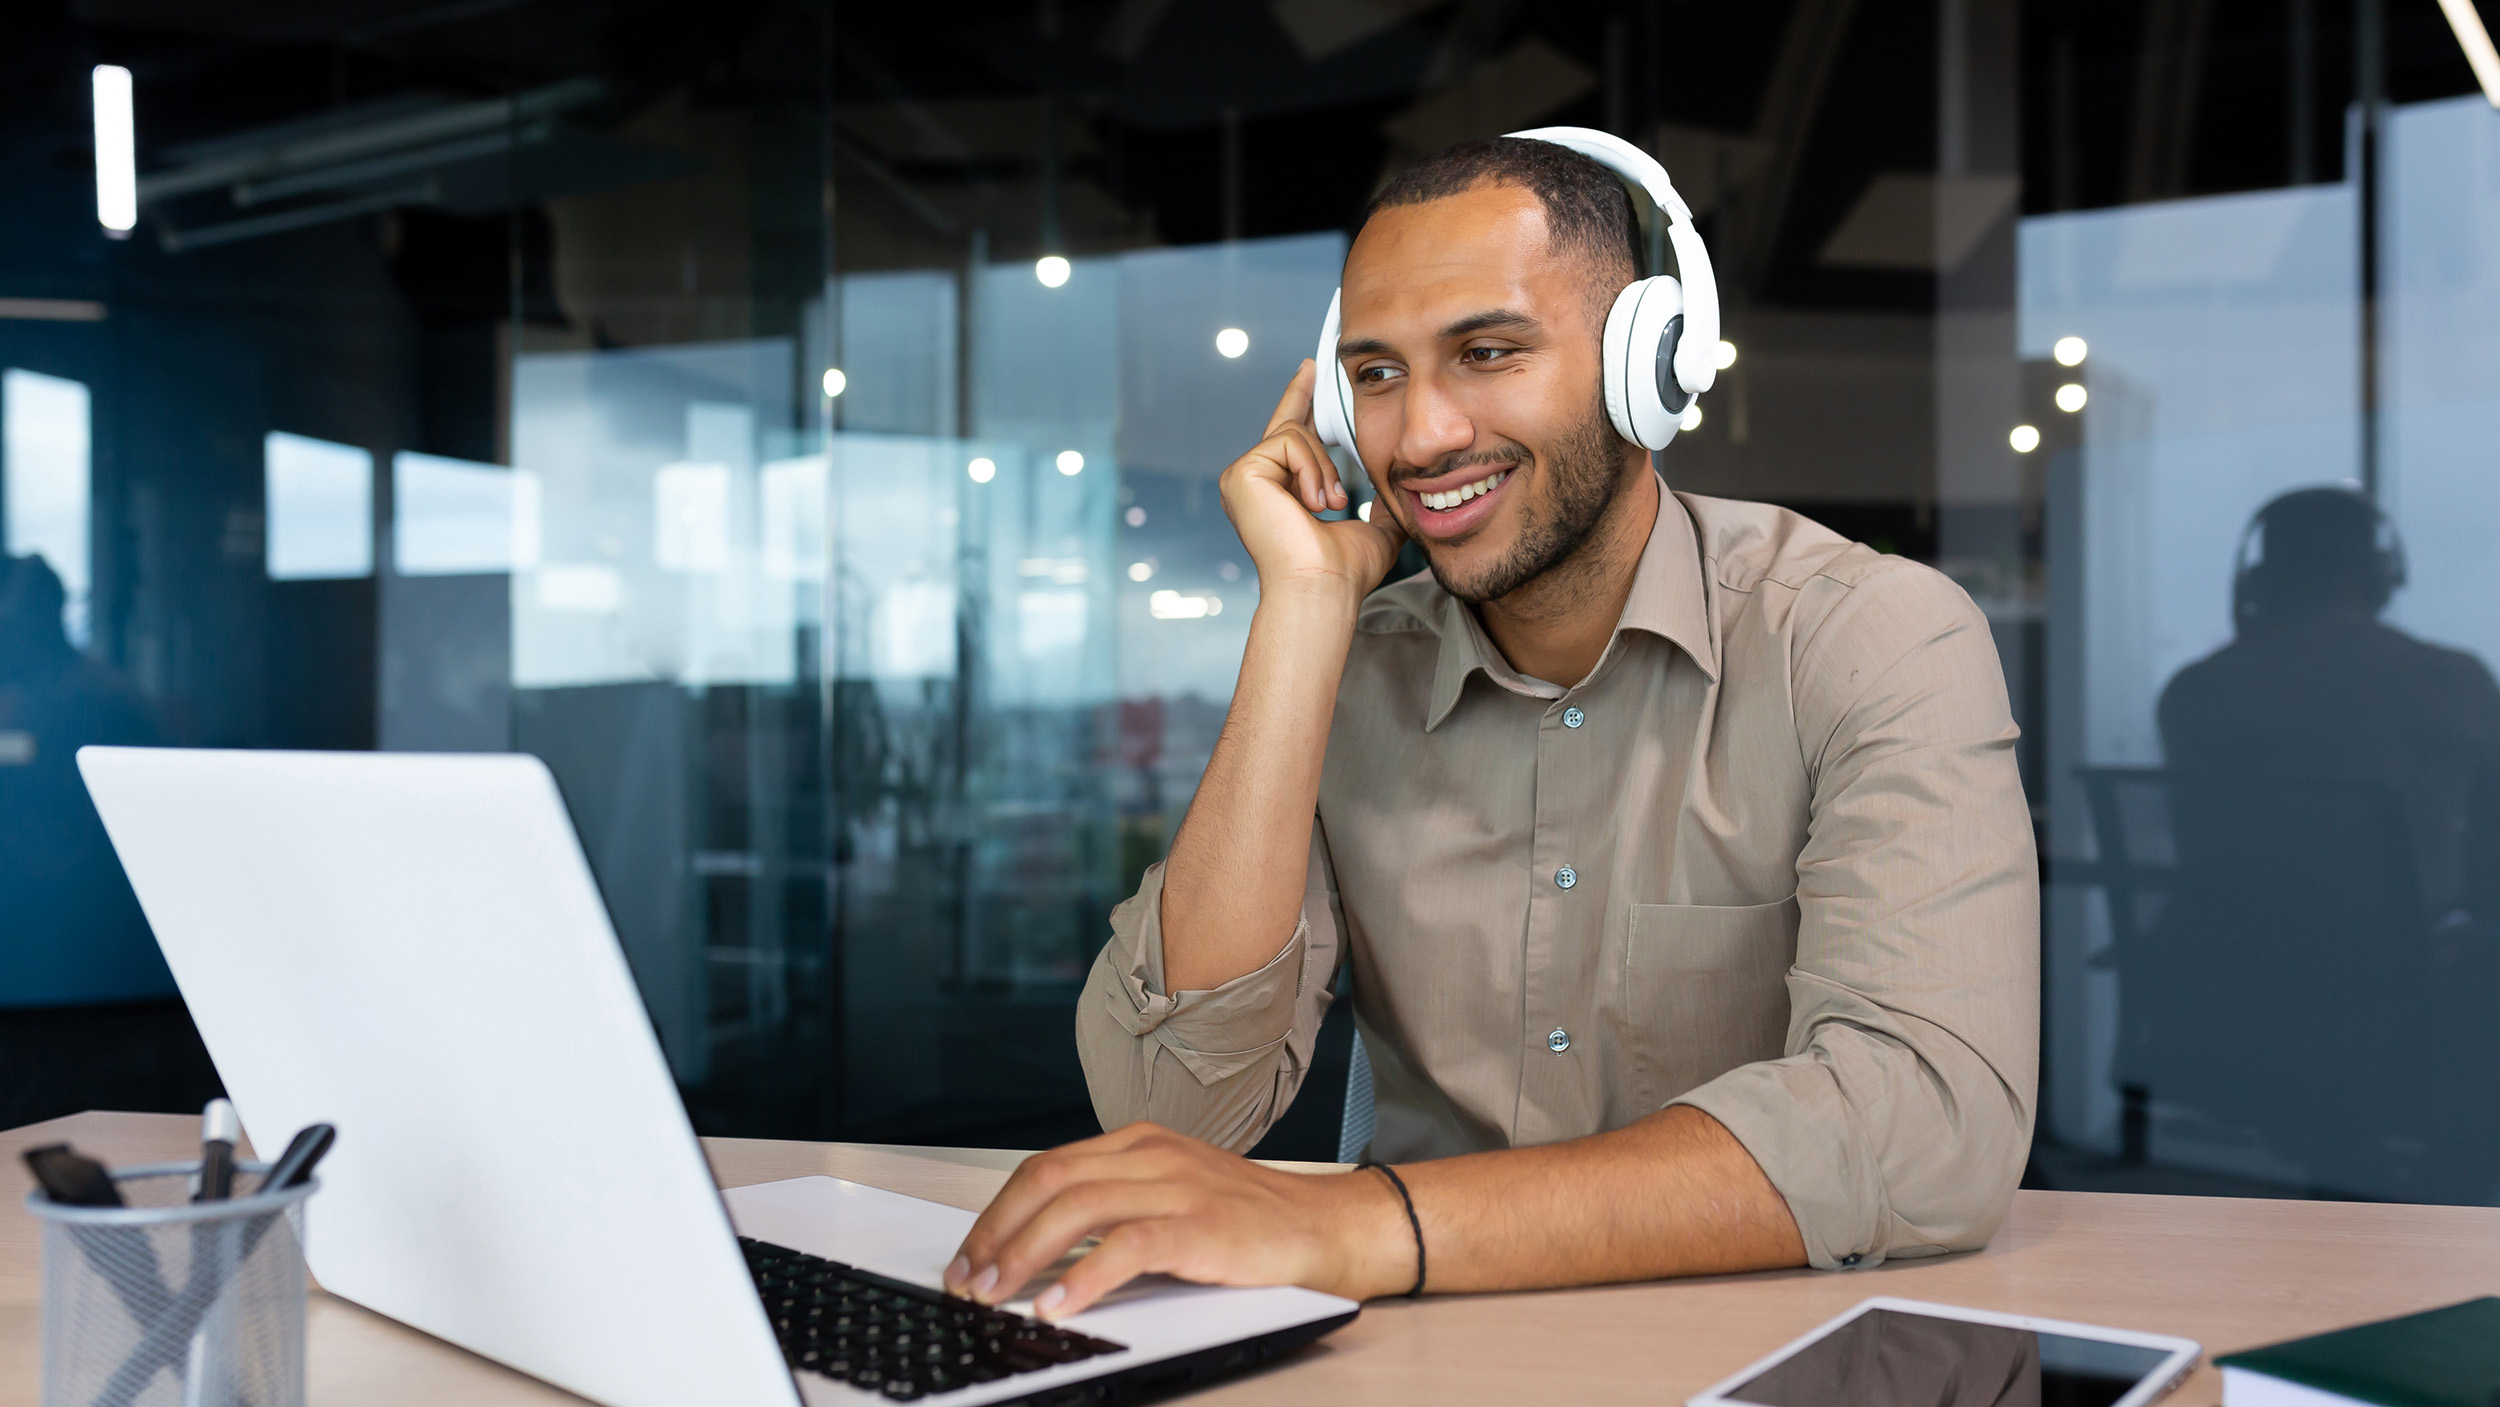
(1705, 991)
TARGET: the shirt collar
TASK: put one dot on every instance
(1667, 601)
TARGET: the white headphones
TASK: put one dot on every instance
(1660, 335)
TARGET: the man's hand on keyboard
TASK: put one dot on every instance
(1165, 1203)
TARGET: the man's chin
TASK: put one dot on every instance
(1474, 577)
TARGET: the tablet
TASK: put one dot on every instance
(1904, 1353)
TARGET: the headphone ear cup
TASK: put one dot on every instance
(1341, 407)
(1618, 351)
(1332, 396)
(1641, 336)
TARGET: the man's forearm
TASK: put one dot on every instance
(1232, 889)
(1674, 1194)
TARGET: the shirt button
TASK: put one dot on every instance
(1851, 1259)
(1558, 1041)
(1564, 878)
(1573, 718)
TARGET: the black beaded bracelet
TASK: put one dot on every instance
(1412, 1223)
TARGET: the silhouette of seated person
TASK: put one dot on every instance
(2334, 795)
(73, 932)
(2315, 684)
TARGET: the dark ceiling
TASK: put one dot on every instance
(1809, 99)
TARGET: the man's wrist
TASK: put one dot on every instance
(1375, 1241)
(1315, 597)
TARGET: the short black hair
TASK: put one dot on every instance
(1587, 208)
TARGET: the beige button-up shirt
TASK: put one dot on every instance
(1771, 859)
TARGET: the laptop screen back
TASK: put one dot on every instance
(412, 947)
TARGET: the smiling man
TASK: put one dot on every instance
(1676, 843)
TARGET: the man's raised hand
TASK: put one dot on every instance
(1274, 493)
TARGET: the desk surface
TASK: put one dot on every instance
(2225, 1272)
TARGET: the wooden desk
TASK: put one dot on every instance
(2225, 1272)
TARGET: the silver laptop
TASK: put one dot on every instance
(412, 947)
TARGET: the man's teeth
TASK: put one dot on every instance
(1464, 492)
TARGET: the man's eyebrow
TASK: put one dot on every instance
(1490, 320)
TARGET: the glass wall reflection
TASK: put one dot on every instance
(870, 711)
(2277, 743)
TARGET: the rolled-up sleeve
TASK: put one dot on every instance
(1221, 1064)
(1899, 1119)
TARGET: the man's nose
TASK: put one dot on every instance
(1432, 426)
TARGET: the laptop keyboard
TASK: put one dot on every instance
(887, 1336)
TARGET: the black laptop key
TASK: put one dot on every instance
(897, 1339)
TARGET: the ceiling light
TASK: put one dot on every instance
(116, 151)
(1140, 571)
(1051, 270)
(1232, 342)
(2025, 438)
(1136, 517)
(1692, 417)
(1727, 355)
(1172, 605)
(835, 381)
(2476, 41)
(1071, 463)
(982, 470)
(2070, 351)
(2070, 397)
(1362, 510)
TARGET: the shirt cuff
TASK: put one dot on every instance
(1216, 1033)
(1789, 1115)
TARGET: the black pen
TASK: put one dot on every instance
(70, 1178)
(310, 1144)
(218, 1131)
(123, 1255)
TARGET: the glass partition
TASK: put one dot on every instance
(2272, 801)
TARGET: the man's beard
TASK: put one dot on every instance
(1586, 467)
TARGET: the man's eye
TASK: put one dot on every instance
(1374, 375)
(1481, 355)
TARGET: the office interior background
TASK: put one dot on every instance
(797, 422)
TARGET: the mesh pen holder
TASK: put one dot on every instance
(170, 1303)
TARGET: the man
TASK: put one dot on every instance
(1677, 844)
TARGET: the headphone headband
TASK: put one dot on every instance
(1620, 157)
(1697, 351)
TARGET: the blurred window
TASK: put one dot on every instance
(450, 517)
(46, 462)
(320, 508)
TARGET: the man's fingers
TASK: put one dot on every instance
(1072, 1216)
(1315, 477)
(1124, 1155)
(1035, 1181)
(1295, 407)
(1313, 474)
(1130, 1250)
(1292, 458)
